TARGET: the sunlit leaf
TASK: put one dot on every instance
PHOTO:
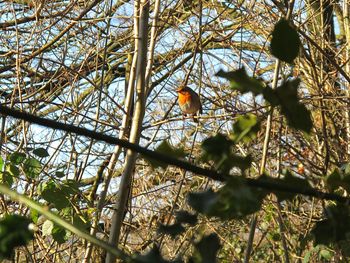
(47, 227)
(12, 169)
(206, 249)
(55, 194)
(34, 215)
(285, 42)
(239, 80)
(245, 128)
(31, 167)
(6, 178)
(326, 254)
(14, 232)
(1, 163)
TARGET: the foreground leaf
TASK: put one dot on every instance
(239, 80)
(288, 180)
(335, 228)
(234, 200)
(153, 256)
(185, 217)
(31, 167)
(172, 230)
(14, 232)
(245, 128)
(55, 194)
(297, 115)
(17, 158)
(59, 234)
(6, 178)
(206, 249)
(285, 42)
(338, 178)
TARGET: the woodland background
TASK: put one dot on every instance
(113, 67)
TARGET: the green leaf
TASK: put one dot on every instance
(6, 178)
(34, 215)
(71, 187)
(288, 180)
(216, 146)
(1, 163)
(218, 149)
(298, 116)
(235, 200)
(338, 178)
(335, 228)
(167, 149)
(80, 222)
(309, 253)
(12, 170)
(206, 249)
(153, 256)
(245, 128)
(203, 202)
(55, 194)
(326, 255)
(171, 230)
(60, 174)
(17, 158)
(32, 167)
(239, 80)
(14, 232)
(345, 168)
(185, 217)
(271, 96)
(41, 152)
(59, 234)
(285, 42)
(242, 162)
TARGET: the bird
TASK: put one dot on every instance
(189, 102)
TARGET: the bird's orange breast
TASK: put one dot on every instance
(184, 97)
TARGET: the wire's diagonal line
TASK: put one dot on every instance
(267, 185)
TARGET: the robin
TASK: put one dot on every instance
(189, 102)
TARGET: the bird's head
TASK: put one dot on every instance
(182, 89)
